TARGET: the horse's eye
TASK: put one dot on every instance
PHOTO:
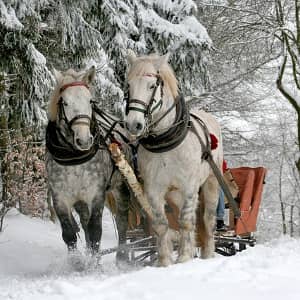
(152, 86)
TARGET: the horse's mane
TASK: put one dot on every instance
(142, 65)
(67, 77)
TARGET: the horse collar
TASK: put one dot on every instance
(173, 136)
(63, 152)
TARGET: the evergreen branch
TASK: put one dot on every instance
(88, 25)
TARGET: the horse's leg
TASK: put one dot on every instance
(161, 228)
(210, 190)
(201, 230)
(122, 195)
(94, 226)
(84, 214)
(67, 224)
(187, 223)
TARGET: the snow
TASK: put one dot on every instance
(35, 55)
(236, 123)
(33, 265)
(8, 17)
(186, 6)
(189, 29)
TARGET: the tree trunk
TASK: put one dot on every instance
(292, 221)
(4, 138)
(282, 206)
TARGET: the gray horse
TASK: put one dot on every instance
(78, 163)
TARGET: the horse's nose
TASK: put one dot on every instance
(84, 144)
(138, 126)
(135, 128)
(80, 142)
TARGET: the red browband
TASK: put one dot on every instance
(75, 83)
(151, 74)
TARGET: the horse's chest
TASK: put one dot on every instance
(181, 165)
(80, 181)
(162, 167)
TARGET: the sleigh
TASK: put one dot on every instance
(241, 231)
(240, 234)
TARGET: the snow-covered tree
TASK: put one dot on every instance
(39, 35)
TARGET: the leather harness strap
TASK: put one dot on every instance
(207, 155)
(147, 109)
(174, 135)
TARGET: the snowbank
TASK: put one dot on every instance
(33, 266)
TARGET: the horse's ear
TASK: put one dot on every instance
(161, 61)
(89, 75)
(57, 74)
(131, 56)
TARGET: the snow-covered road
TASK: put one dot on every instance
(33, 265)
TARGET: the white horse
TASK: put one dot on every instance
(170, 156)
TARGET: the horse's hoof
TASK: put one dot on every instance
(122, 259)
(183, 258)
(122, 255)
(76, 261)
(94, 263)
(164, 262)
(205, 254)
(123, 265)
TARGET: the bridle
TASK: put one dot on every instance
(61, 110)
(148, 109)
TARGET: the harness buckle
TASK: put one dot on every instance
(206, 155)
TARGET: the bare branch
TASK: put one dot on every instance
(286, 93)
(297, 13)
(242, 10)
(249, 71)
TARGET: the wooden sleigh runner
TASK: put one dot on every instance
(141, 238)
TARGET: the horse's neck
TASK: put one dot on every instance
(167, 121)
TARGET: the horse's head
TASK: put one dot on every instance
(71, 107)
(148, 80)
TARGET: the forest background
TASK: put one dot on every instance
(236, 59)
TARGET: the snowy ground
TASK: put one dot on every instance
(33, 265)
